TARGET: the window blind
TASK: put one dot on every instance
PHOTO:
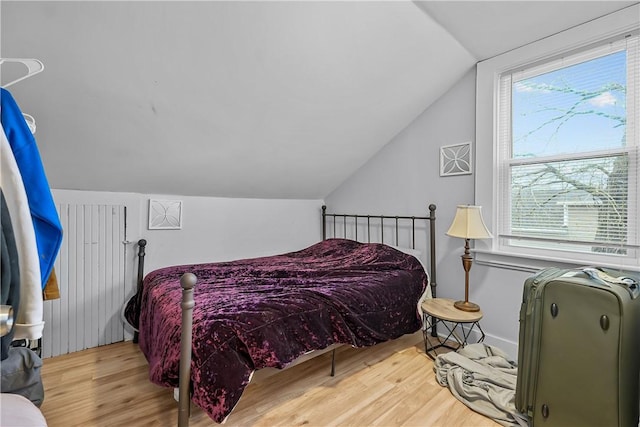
(567, 152)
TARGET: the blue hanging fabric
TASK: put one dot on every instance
(46, 222)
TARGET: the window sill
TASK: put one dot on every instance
(528, 264)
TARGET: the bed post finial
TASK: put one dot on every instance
(142, 244)
(187, 281)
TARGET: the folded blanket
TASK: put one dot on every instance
(483, 378)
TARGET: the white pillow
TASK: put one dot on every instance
(415, 252)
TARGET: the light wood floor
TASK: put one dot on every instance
(391, 384)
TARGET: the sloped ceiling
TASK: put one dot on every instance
(246, 99)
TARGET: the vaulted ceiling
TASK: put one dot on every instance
(247, 99)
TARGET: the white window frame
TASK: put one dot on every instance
(491, 252)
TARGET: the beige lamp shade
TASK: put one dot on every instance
(468, 223)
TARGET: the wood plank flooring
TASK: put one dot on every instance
(391, 384)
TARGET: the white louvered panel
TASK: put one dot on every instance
(91, 275)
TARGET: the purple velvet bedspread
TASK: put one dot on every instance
(266, 312)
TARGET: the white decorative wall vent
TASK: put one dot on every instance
(165, 214)
(455, 159)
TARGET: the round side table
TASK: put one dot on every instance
(459, 326)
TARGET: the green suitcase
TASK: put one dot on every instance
(579, 348)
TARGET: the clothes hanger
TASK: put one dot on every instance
(31, 122)
(34, 66)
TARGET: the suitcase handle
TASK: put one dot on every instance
(602, 276)
(598, 273)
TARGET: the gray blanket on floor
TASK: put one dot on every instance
(483, 378)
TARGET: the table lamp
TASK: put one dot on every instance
(468, 224)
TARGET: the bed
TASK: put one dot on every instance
(250, 314)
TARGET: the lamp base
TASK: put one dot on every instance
(466, 306)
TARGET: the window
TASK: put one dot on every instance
(567, 155)
(563, 139)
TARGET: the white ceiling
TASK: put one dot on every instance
(489, 28)
(247, 99)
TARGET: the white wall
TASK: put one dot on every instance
(214, 229)
(403, 178)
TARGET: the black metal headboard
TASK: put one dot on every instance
(378, 221)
